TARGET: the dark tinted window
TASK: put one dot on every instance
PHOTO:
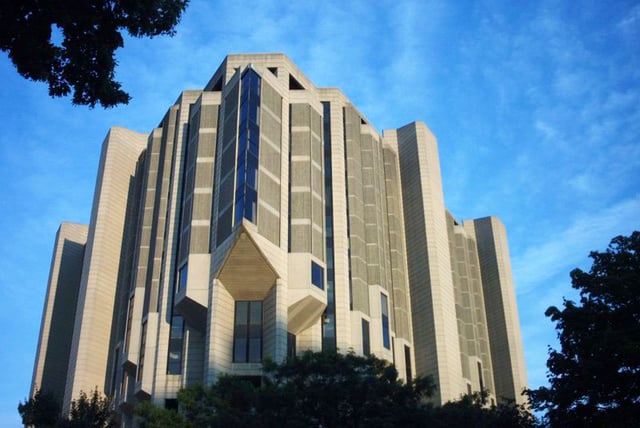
(317, 275)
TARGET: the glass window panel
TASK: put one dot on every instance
(385, 307)
(240, 193)
(240, 350)
(177, 327)
(239, 210)
(247, 345)
(224, 225)
(254, 111)
(252, 172)
(251, 194)
(317, 275)
(240, 177)
(242, 141)
(243, 108)
(253, 129)
(245, 92)
(385, 321)
(256, 313)
(182, 278)
(228, 160)
(253, 144)
(366, 348)
(385, 331)
(255, 350)
(252, 80)
(250, 207)
(242, 309)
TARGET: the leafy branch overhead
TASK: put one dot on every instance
(84, 62)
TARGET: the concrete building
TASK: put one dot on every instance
(265, 216)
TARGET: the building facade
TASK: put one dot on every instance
(265, 216)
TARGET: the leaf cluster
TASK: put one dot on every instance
(84, 61)
(326, 390)
(594, 378)
(87, 411)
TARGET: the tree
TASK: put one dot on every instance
(150, 416)
(40, 411)
(91, 32)
(87, 411)
(94, 410)
(326, 390)
(595, 376)
(472, 411)
(330, 389)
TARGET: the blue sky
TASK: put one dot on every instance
(536, 106)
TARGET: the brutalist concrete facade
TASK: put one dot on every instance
(265, 216)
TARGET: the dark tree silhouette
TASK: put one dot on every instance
(93, 410)
(40, 411)
(84, 61)
(326, 390)
(595, 375)
(87, 411)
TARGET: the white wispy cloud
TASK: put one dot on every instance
(566, 247)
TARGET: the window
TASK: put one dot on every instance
(176, 336)
(480, 377)
(291, 345)
(366, 347)
(246, 199)
(247, 333)
(385, 321)
(143, 341)
(182, 278)
(407, 362)
(127, 337)
(329, 326)
(317, 275)
(114, 376)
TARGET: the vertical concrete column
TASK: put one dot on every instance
(280, 352)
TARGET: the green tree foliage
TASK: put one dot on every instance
(94, 410)
(150, 416)
(88, 411)
(40, 411)
(326, 390)
(91, 32)
(337, 390)
(471, 411)
(595, 376)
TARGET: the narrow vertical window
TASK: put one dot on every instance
(247, 332)
(291, 345)
(407, 362)
(385, 321)
(182, 278)
(127, 337)
(329, 324)
(143, 342)
(176, 340)
(366, 346)
(480, 377)
(114, 376)
(246, 197)
(317, 275)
